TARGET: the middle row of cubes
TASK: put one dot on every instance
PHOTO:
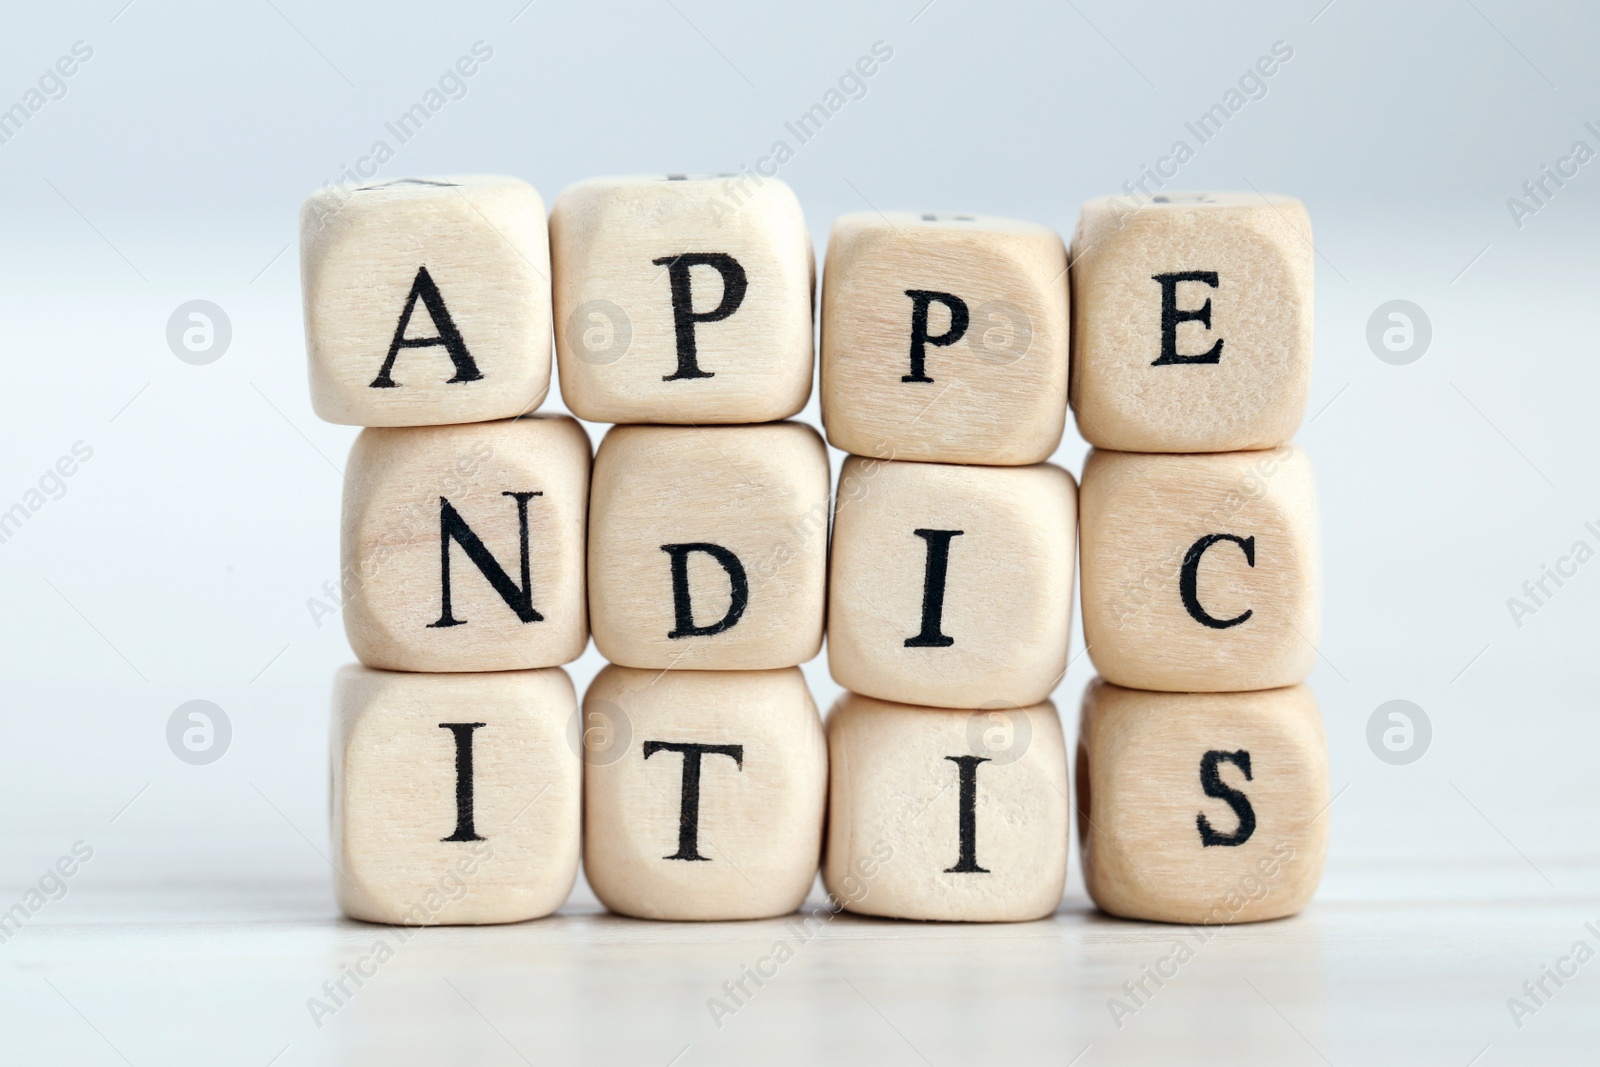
(493, 546)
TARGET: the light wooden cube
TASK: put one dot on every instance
(427, 301)
(682, 300)
(1202, 807)
(942, 814)
(456, 797)
(704, 792)
(463, 546)
(944, 338)
(1191, 322)
(950, 585)
(1201, 573)
(708, 547)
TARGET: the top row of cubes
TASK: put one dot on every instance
(945, 337)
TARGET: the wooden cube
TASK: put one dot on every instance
(463, 546)
(1191, 322)
(682, 300)
(1201, 573)
(944, 814)
(704, 792)
(708, 546)
(950, 585)
(944, 338)
(455, 796)
(1201, 807)
(427, 301)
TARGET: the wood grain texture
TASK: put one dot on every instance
(1260, 308)
(483, 242)
(392, 535)
(1008, 577)
(1144, 519)
(996, 392)
(759, 493)
(758, 817)
(395, 782)
(614, 313)
(1140, 795)
(895, 811)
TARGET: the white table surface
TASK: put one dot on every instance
(1390, 965)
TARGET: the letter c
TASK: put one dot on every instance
(1189, 579)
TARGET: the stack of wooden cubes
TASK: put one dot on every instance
(1202, 769)
(684, 310)
(479, 552)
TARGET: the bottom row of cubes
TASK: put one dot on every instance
(467, 798)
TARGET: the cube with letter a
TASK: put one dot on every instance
(427, 300)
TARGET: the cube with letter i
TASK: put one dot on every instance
(951, 585)
(944, 814)
(456, 797)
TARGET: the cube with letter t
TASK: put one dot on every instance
(703, 793)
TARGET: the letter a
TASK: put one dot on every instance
(448, 336)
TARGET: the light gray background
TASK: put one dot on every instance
(179, 562)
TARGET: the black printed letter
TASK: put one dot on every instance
(448, 336)
(1211, 782)
(968, 769)
(463, 733)
(684, 316)
(920, 299)
(451, 525)
(933, 589)
(689, 804)
(683, 608)
(1189, 579)
(1171, 316)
